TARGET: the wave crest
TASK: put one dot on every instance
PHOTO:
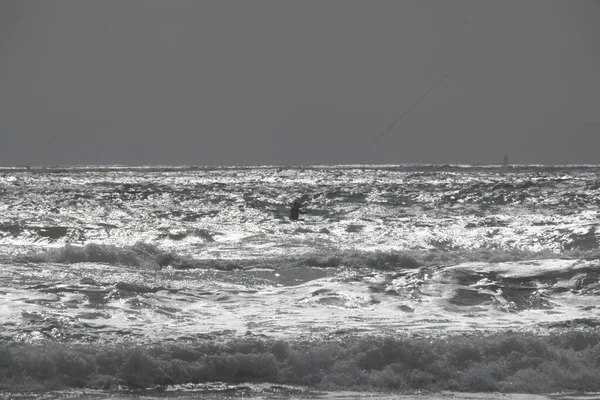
(147, 255)
(139, 255)
(502, 362)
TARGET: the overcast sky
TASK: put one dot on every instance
(298, 82)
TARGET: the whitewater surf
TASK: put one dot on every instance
(418, 280)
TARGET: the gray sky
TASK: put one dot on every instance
(298, 82)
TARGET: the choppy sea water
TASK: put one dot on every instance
(187, 281)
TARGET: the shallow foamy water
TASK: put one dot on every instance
(149, 258)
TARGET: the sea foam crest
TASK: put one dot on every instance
(147, 255)
(503, 362)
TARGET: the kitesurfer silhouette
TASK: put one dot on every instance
(296, 209)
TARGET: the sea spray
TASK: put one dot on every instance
(401, 278)
(502, 362)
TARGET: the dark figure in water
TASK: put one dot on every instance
(295, 210)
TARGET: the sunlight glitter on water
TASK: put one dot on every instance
(96, 257)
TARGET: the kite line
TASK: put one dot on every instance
(439, 81)
(409, 109)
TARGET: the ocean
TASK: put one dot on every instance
(409, 281)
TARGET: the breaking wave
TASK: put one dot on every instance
(147, 255)
(503, 362)
(139, 255)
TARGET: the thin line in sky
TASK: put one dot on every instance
(413, 105)
(439, 81)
